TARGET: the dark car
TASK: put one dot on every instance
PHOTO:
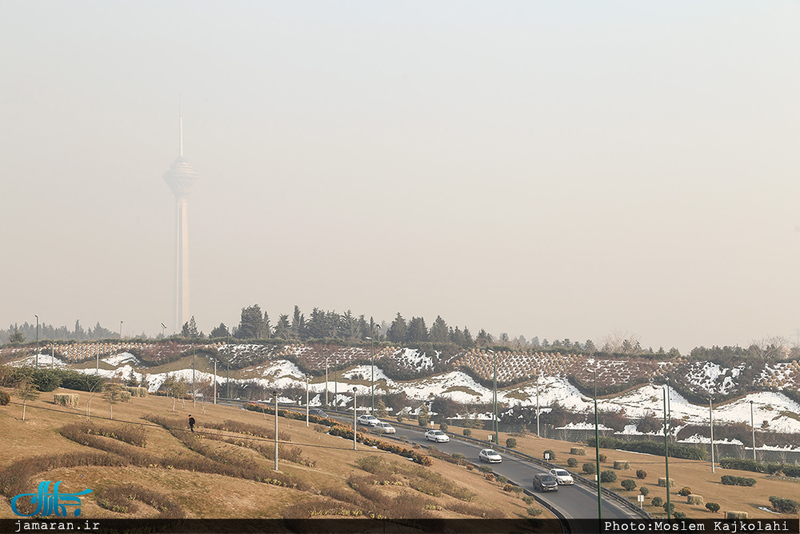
(317, 412)
(545, 482)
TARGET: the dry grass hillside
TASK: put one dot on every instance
(146, 464)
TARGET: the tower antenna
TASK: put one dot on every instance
(180, 115)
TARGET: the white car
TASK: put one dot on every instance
(368, 420)
(562, 477)
(490, 455)
(437, 435)
(384, 428)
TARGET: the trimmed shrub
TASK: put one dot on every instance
(678, 515)
(641, 474)
(528, 499)
(137, 391)
(572, 462)
(628, 484)
(443, 427)
(644, 491)
(549, 455)
(729, 480)
(589, 468)
(784, 506)
(695, 499)
(578, 451)
(742, 464)
(467, 432)
(534, 512)
(657, 501)
(66, 399)
(511, 443)
(712, 507)
(669, 507)
(603, 457)
(608, 477)
(662, 482)
(736, 515)
(4, 398)
(501, 479)
(621, 464)
(685, 491)
(484, 469)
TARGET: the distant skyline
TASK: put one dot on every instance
(557, 170)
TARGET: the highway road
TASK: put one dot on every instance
(573, 502)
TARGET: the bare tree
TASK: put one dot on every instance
(26, 390)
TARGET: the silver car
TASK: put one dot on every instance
(437, 435)
(562, 476)
(490, 455)
(368, 420)
(383, 428)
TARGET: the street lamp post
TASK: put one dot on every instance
(372, 360)
(120, 330)
(711, 429)
(163, 329)
(326, 382)
(275, 396)
(306, 400)
(215, 380)
(494, 399)
(597, 455)
(667, 415)
(538, 435)
(37, 340)
(753, 427)
(335, 380)
(355, 421)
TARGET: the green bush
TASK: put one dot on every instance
(742, 464)
(511, 443)
(501, 479)
(729, 480)
(669, 507)
(685, 491)
(528, 499)
(484, 469)
(608, 477)
(629, 484)
(657, 501)
(784, 506)
(443, 427)
(467, 432)
(678, 515)
(578, 451)
(641, 474)
(603, 457)
(4, 398)
(534, 512)
(644, 491)
(549, 455)
(688, 452)
(46, 379)
(712, 507)
(572, 462)
(589, 468)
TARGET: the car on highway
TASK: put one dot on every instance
(367, 420)
(490, 455)
(563, 477)
(317, 412)
(437, 435)
(383, 428)
(544, 482)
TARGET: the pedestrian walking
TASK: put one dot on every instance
(191, 423)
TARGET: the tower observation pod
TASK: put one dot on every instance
(181, 178)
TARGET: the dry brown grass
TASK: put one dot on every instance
(209, 495)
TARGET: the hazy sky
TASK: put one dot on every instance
(551, 169)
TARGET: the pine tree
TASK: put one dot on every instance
(252, 325)
(417, 331)
(398, 331)
(220, 331)
(283, 329)
(439, 332)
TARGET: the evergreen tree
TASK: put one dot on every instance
(417, 331)
(298, 330)
(251, 325)
(16, 336)
(220, 331)
(439, 331)
(483, 338)
(469, 342)
(189, 330)
(398, 331)
(283, 329)
(267, 326)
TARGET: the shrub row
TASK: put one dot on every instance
(347, 433)
(729, 480)
(784, 506)
(687, 452)
(51, 379)
(748, 464)
(120, 499)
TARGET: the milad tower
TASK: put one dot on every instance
(181, 177)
